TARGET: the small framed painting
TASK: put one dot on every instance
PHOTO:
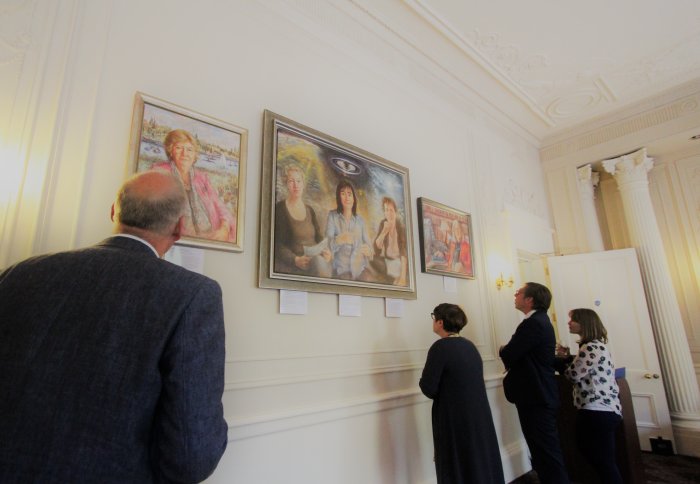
(445, 240)
(207, 155)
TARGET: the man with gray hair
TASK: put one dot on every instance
(111, 359)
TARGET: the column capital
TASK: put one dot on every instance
(585, 174)
(587, 181)
(630, 168)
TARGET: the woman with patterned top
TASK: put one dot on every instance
(595, 392)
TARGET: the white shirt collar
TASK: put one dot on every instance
(129, 236)
(530, 313)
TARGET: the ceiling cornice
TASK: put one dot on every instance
(469, 49)
(457, 73)
(652, 112)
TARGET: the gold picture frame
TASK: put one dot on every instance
(311, 237)
(208, 155)
(446, 242)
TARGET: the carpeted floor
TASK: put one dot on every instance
(678, 469)
(658, 469)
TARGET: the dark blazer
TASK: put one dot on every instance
(529, 359)
(111, 368)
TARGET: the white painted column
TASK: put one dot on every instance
(630, 172)
(587, 182)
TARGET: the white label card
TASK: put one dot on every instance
(294, 302)
(350, 305)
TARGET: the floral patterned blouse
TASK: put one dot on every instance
(593, 376)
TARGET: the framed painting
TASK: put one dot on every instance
(445, 236)
(334, 218)
(207, 155)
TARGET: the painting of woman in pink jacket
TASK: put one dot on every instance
(208, 217)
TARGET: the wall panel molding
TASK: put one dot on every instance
(253, 426)
(244, 427)
(317, 377)
(645, 403)
(48, 135)
(28, 101)
(234, 385)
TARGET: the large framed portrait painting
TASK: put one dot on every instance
(207, 155)
(445, 240)
(335, 218)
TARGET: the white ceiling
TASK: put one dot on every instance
(572, 63)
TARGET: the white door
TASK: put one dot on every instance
(610, 283)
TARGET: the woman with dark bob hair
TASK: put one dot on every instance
(595, 393)
(464, 438)
(347, 235)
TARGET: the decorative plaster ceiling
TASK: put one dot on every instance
(572, 63)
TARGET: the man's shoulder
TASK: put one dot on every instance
(537, 322)
(49, 259)
(130, 257)
(187, 276)
(540, 316)
(540, 320)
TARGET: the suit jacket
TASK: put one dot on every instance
(111, 368)
(529, 359)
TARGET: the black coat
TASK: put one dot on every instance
(466, 447)
(529, 359)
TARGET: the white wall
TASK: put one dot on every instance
(314, 398)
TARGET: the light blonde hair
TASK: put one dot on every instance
(290, 167)
(179, 136)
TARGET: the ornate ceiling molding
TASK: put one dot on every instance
(552, 83)
(617, 129)
(500, 60)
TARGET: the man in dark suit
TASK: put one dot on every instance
(530, 383)
(111, 359)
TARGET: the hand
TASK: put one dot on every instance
(380, 240)
(562, 350)
(326, 254)
(302, 262)
(366, 250)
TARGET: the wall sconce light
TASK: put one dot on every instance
(500, 282)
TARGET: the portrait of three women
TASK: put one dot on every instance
(334, 241)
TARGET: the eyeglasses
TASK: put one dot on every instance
(432, 315)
